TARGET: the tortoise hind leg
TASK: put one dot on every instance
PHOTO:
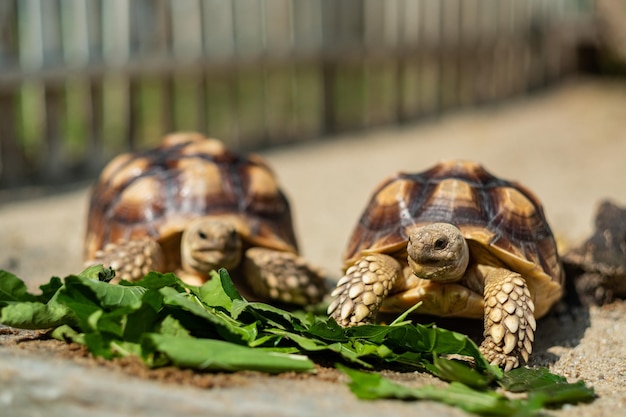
(362, 290)
(283, 276)
(509, 318)
(131, 260)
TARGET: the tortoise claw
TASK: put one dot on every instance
(131, 259)
(361, 291)
(509, 319)
(283, 276)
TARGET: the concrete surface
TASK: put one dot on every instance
(567, 144)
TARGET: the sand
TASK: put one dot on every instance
(568, 144)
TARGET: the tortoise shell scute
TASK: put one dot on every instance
(503, 216)
(156, 192)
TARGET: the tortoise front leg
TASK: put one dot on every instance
(131, 260)
(283, 276)
(509, 318)
(362, 290)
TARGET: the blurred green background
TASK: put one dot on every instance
(82, 80)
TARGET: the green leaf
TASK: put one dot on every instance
(66, 333)
(214, 294)
(49, 290)
(217, 355)
(172, 327)
(226, 326)
(35, 315)
(273, 316)
(559, 394)
(44, 314)
(98, 273)
(402, 318)
(452, 370)
(545, 387)
(328, 330)
(106, 295)
(374, 386)
(157, 280)
(228, 285)
(13, 289)
(345, 350)
(165, 321)
(524, 379)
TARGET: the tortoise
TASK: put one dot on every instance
(462, 242)
(597, 267)
(191, 206)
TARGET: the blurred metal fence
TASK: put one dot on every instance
(81, 80)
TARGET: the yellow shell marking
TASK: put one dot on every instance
(113, 166)
(204, 147)
(198, 178)
(454, 190)
(135, 168)
(394, 192)
(515, 202)
(141, 193)
(261, 181)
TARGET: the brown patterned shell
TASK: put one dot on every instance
(501, 216)
(157, 192)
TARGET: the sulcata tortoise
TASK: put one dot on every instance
(463, 243)
(191, 206)
(597, 268)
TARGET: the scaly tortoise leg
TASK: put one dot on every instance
(362, 290)
(131, 260)
(509, 319)
(283, 276)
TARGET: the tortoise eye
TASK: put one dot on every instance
(202, 235)
(440, 243)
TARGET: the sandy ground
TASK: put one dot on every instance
(567, 144)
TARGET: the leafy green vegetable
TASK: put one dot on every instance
(371, 386)
(212, 327)
(374, 386)
(210, 354)
(99, 273)
(13, 289)
(545, 387)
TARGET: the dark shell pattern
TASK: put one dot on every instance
(158, 191)
(502, 216)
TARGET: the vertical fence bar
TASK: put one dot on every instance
(345, 86)
(31, 60)
(430, 35)
(373, 39)
(250, 46)
(468, 44)
(116, 46)
(12, 158)
(55, 95)
(187, 47)
(409, 38)
(307, 22)
(401, 64)
(96, 155)
(450, 56)
(55, 102)
(219, 46)
(329, 69)
(461, 52)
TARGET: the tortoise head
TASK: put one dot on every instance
(210, 243)
(438, 251)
